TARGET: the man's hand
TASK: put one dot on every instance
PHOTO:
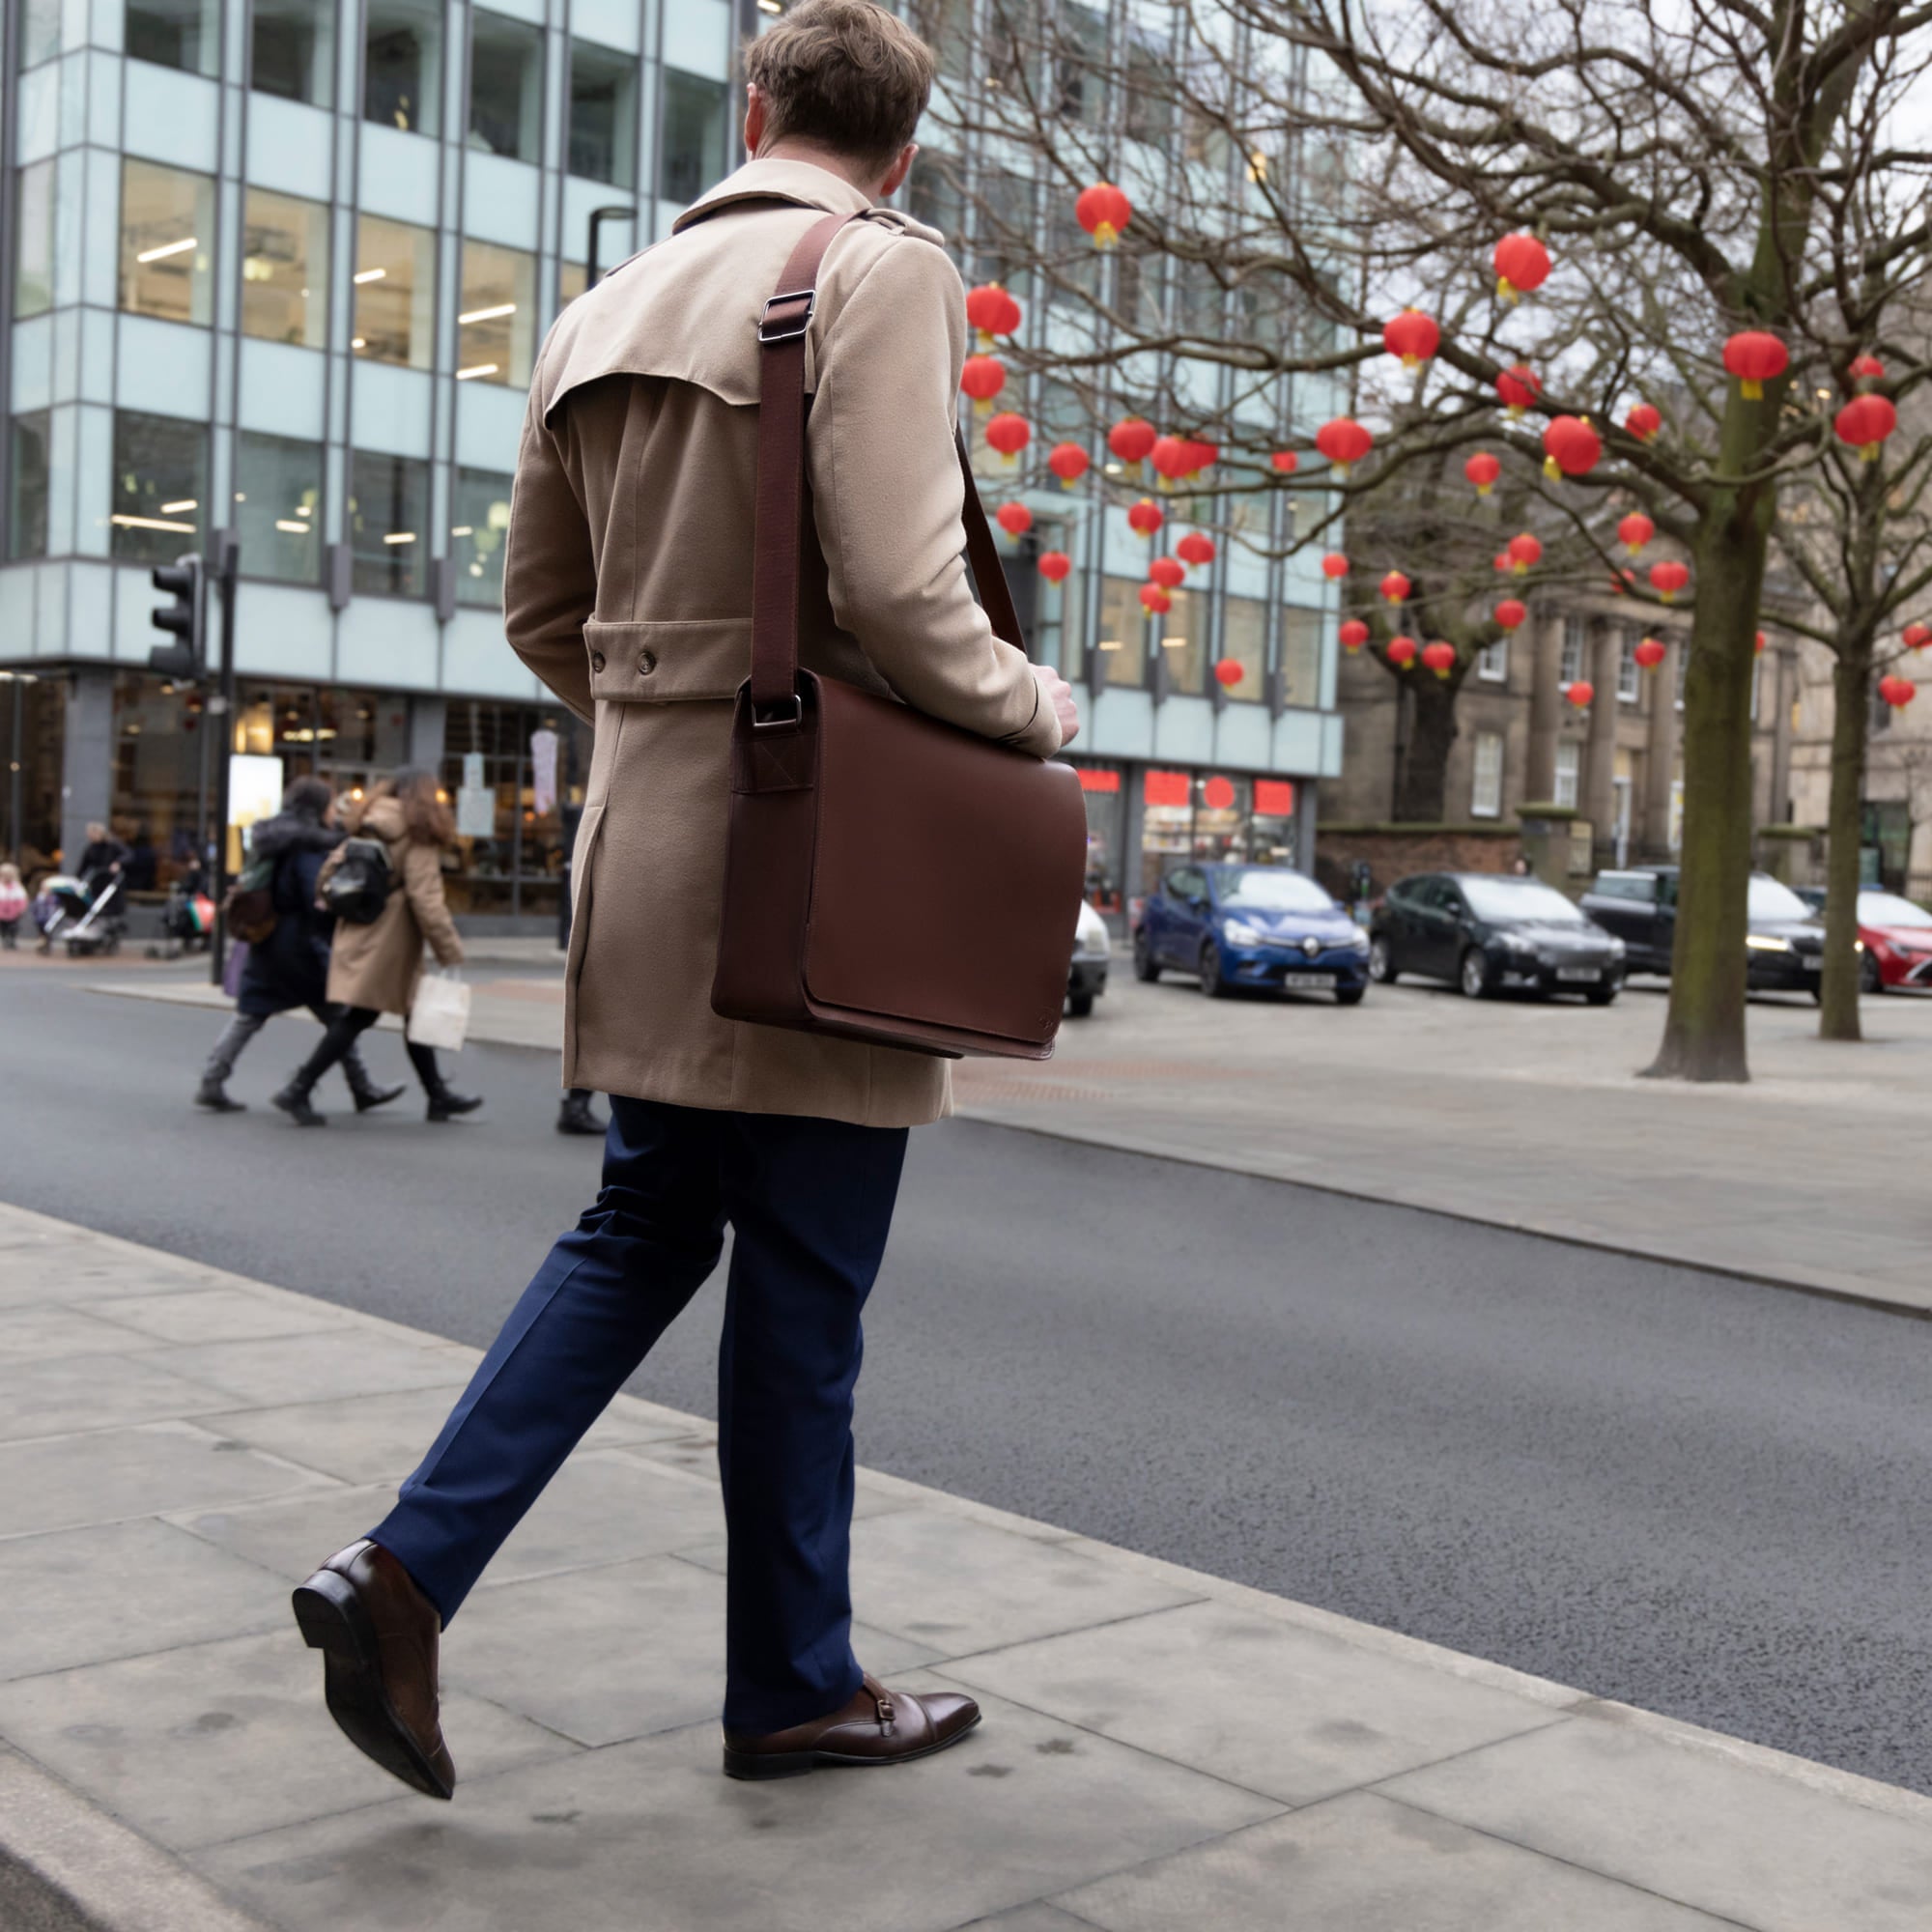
(1054, 689)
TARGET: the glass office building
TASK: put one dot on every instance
(281, 268)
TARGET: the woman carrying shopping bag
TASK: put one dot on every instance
(384, 882)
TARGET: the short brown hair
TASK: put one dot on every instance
(844, 73)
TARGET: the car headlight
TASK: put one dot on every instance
(1616, 947)
(1358, 939)
(1238, 932)
(1517, 943)
(1764, 942)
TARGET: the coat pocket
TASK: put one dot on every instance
(669, 661)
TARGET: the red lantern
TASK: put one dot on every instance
(1512, 614)
(1522, 264)
(1503, 561)
(1580, 693)
(1354, 633)
(1202, 455)
(992, 311)
(1334, 565)
(1915, 637)
(1519, 386)
(1897, 692)
(1344, 442)
(1668, 577)
(1056, 566)
(1756, 357)
(1015, 518)
(1402, 652)
(1286, 461)
(1228, 673)
(1131, 438)
(1009, 433)
(982, 378)
(1068, 462)
(1571, 447)
(1482, 469)
(1440, 657)
(1412, 336)
(1395, 586)
(1167, 571)
(1194, 548)
(1155, 598)
(1866, 369)
(1864, 422)
(1104, 213)
(1643, 422)
(1525, 553)
(1146, 517)
(1649, 654)
(1757, 644)
(1170, 457)
(1635, 531)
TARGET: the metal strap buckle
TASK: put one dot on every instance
(770, 333)
(791, 723)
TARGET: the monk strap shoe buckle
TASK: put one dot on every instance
(788, 328)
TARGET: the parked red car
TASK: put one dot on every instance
(1897, 938)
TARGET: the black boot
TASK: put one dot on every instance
(294, 1100)
(575, 1116)
(213, 1096)
(444, 1102)
(367, 1096)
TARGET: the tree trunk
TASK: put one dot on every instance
(1851, 695)
(1425, 767)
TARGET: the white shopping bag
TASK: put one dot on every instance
(441, 1014)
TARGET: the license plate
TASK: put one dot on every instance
(1308, 982)
(1579, 973)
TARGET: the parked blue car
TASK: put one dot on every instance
(1251, 926)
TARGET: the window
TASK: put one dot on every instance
(1757, 686)
(39, 32)
(403, 69)
(603, 114)
(1629, 674)
(292, 44)
(176, 33)
(497, 324)
(482, 510)
(1183, 640)
(1244, 640)
(1485, 790)
(1149, 91)
(1683, 669)
(161, 482)
(389, 524)
(1080, 71)
(278, 507)
(395, 292)
(284, 268)
(692, 149)
(167, 243)
(506, 66)
(27, 513)
(1003, 227)
(1123, 631)
(933, 194)
(572, 279)
(34, 253)
(1576, 649)
(1566, 775)
(1300, 656)
(1492, 661)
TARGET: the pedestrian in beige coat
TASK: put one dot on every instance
(627, 590)
(374, 969)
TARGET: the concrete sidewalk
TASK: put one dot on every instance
(1161, 1748)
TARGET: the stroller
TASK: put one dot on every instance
(87, 914)
(187, 921)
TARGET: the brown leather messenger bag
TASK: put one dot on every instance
(889, 878)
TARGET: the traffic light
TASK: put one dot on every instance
(185, 619)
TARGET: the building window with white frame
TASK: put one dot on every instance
(1486, 791)
(1567, 759)
(1492, 661)
(389, 524)
(167, 243)
(160, 479)
(284, 267)
(1576, 649)
(402, 71)
(184, 34)
(292, 49)
(395, 292)
(603, 141)
(506, 71)
(497, 324)
(1629, 674)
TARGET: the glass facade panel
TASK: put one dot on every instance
(176, 33)
(389, 524)
(534, 760)
(161, 483)
(497, 324)
(349, 737)
(167, 243)
(1244, 640)
(1300, 656)
(693, 143)
(285, 268)
(159, 783)
(603, 114)
(34, 241)
(278, 507)
(395, 292)
(480, 508)
(933, 194)
(1123, 631)
(1184, 642)
(40, 31)
(572, 279)
(27, 513)
(33, 733)
(506, 66)
(293, 49)
(403, 64)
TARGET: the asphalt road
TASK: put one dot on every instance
(1701, 1495)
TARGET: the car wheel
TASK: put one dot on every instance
(1474, 977)
(1144, 969)
(1211, 982)
(1381, 968)
(1079, 1004)
(1350, 996)
(1871, 976)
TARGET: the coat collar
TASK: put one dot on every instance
(797, 181)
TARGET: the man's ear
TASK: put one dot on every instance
(895, 174)
(754, 116)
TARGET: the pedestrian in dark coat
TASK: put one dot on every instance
(289, 968)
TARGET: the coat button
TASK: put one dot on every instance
(596, 660)
(647, 661)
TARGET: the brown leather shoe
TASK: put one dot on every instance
(377, 1635)
(878, 1727)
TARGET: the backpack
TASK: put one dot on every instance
(358, 886)
(250, 905)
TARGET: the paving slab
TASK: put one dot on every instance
(332, 1361)
(59, 1394)
(213, 1315)
(32, 1333)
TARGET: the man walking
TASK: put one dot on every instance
(627, 590)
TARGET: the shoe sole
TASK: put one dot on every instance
(754, 1766)
(316, 1120)
(332, 1619)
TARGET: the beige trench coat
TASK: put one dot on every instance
(628, 591)
(378, 965)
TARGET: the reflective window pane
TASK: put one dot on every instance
(176, 33)
(1183, 640)
(603, 114)
(395, 292)
(161, 483)
(1123, 631)
(39, 32)
(497, 324)
(1300, 656)
(285, 268)
(389, 524)
(294, 50)
(696, 131)
(572, 279)
(167, 243)
(34, 249)
(506, 86)
(1244, 640)
(480, 519)
(403, 64)
(27, 513)
(278, 507)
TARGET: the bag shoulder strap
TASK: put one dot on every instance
(781, 494)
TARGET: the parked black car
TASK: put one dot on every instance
(1484, 931)
(1786, 944)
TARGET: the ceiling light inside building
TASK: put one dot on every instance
(166, 249)
(462, 529)
(174, 509)
(150, 524)
(400, 538)
(371, 275)
(293, 529)
(486, 314)
(480, 369)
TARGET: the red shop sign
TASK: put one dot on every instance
(1218, 794)
(1093, 781)
(1274, 798)
(1166, 789)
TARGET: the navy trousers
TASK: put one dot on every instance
(808, 1202)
